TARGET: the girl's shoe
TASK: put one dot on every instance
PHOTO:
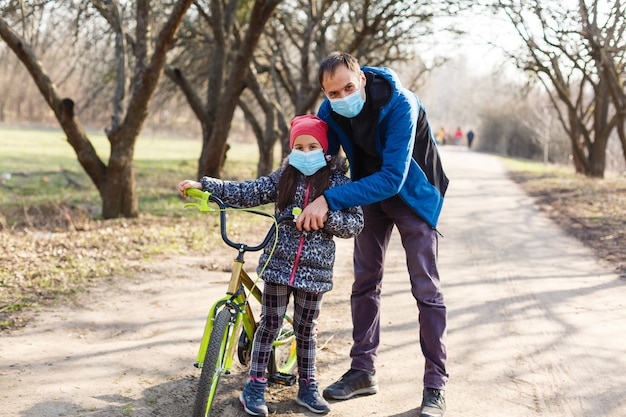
(309, 397)
(253, 398)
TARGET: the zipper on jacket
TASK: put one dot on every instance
(292, 276)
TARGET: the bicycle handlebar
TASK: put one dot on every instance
(205, 197)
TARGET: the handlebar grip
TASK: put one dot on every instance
(194, 192)
(203, 196)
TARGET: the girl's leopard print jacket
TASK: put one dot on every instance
(315, 267)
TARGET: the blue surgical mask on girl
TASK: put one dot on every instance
(348, 106)
(307, 162)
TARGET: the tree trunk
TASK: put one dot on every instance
(266, 138)
(622, 135)
(119, 196)
(115, 182)
(214, 149)
(117, 190)
(597, 161)
(266, 160)
(220, 116)
(206, 138)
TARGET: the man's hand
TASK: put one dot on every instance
(314, 215)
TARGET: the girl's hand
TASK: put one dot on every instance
(188, 184)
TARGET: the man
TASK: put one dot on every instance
(398, 179)
(470, 138)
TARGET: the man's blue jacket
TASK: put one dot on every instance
(409, 161)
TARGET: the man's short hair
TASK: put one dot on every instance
(330, 64)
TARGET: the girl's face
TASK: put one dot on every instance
(306, 143)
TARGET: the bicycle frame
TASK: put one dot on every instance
(239, 277)
(239, 304)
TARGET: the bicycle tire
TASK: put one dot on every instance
(213, 364)
(281, 354)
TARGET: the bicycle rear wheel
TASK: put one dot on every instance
(213, 364)
(283, 358)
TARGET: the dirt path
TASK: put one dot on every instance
(535, 327)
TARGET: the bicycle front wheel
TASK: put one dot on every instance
(213, 364)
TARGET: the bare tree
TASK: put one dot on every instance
(303, 32)
(115, 181)
(20, 100)
(280, 81)
(607, 44)
(5, 63)
(284, 66)
(559, 50)
(229, 32)
(264, 116)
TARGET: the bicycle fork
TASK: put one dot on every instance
(235, 301)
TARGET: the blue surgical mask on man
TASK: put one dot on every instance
(307, 162)
(349, 106)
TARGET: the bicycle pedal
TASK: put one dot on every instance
(283, 379)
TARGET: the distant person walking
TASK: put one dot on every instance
(470, 138)
(441, 136)
(458, 136)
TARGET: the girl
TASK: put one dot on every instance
(302, 261)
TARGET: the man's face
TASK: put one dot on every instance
(342, 82)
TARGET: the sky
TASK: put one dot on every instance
(454, 93)
(481, 46)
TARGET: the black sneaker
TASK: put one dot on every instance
(433, 403)
(353, 382)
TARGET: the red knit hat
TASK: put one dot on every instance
(309, 124)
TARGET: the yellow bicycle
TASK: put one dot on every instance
(231, 324)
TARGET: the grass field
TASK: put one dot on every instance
(52, 244)
(44, 167)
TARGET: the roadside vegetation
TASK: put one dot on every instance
(53, 243)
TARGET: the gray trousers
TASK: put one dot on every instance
(420, 242)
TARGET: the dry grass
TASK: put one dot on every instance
(60, 251)
(51, 246)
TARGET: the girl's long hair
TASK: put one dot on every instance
(319, 182)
